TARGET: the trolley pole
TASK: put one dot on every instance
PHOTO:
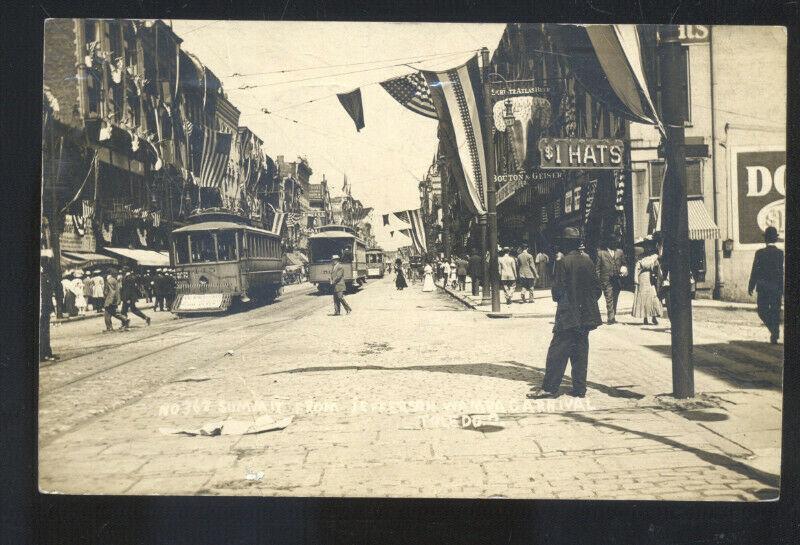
(675, 219)
(491, 197)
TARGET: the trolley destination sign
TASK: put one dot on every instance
(581, 153)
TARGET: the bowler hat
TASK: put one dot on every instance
(334, 256)
(571, 233)
(771, 234)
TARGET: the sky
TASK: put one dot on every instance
(286, 64)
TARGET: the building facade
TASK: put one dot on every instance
(735, 148)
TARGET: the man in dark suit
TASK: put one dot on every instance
(130, 294)
(338, 287)
(475, 271)
(576, 289)
(767, 279)
(609, 269)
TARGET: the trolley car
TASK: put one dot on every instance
(220, 259)
(376, 263)
(338, 240)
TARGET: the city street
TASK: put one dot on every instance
(413, 394)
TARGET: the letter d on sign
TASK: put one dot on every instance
(754, 188)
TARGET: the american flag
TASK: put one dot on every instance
(293, 219)
(214, 160)
(277, 222)
(412, 91)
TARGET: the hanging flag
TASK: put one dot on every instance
(353, 106)
(386, 219)
(277, 222)
(412, 91)
(619, 181)
(588, 199)
(418, 231)
(216, 151)
(88, 209)
(458, 97)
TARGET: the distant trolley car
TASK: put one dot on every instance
(340, 240)
(376, 265)
(219, 259)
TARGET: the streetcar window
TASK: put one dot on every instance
(226, 245)
(202, 248)
(181, 249)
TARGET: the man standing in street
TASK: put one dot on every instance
(767, 279)
(610, 267)
(576, 290)
(462, 266)
(338, 287)
(527, 274)
(130, 295)
(111, 301)
(475, 270)
(45, 310)
(508, 274)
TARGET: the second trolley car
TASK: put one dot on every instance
(220, 259)
(376, 263)
(338, 240)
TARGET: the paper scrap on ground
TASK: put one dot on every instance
(261, 424)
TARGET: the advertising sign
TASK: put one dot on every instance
(581, 153)
(760, 193)
(688, 34)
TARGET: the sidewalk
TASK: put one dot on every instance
(547, 308)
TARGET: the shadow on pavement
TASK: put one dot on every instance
(735, 363)
(768, 479)
(515, 371)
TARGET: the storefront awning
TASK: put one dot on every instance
(84, 260)
(701, 226)
(143, 258)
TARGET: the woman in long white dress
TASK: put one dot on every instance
(427, 284)
(645, 299)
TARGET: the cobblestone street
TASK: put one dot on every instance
(411, 395)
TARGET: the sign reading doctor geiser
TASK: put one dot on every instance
(581, 153)
(760, 193)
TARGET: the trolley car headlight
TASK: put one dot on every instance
(203, 281)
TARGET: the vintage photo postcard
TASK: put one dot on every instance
(412, 260)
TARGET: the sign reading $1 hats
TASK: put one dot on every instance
(581, 153)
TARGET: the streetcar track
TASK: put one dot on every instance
(167, 380)
(85, 376)
(107, 347)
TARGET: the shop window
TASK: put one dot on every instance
(202, 248)
(694, 179)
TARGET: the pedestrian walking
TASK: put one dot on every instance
(576, 290)
(445, 273)
(161, 290)
(462, 267)
(87, 290)
(528, 275)
(766, 278)
(400, 278)
(475, 272)
(453, 280)
(77, 289)
(611, 268)
(338, 287)
(111, 301)
(646, 303)
(508, 273)
(427, 282)
(130, 294)
(98, 290)
(172, 289)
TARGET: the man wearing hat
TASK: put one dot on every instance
(111, 301)
(576, 289)
(528, 275)
(610, 269)
(767, 279)
(338, 286)
(130, 294)
(508, 273)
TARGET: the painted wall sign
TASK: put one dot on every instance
(689, 34)
(760, 193)
(581, 153)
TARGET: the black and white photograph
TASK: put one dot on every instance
(412, 260)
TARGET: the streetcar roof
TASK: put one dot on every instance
(220, 225)
(334, 234)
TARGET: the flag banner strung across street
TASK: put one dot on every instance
(457, 95)
(399, 222)
(412, 91)
(353, 106)
(277, 222)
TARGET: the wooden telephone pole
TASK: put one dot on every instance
(674, 210)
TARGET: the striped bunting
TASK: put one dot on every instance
(211, 152)
(412, 91)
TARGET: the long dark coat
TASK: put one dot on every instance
(576, 289)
